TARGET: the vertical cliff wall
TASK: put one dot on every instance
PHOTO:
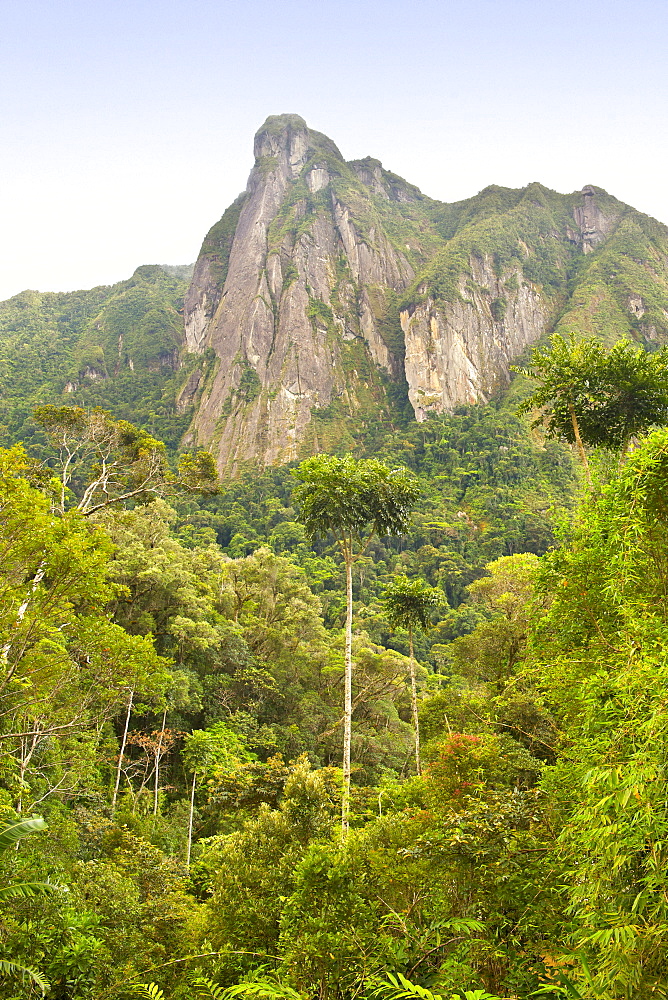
(294, 307)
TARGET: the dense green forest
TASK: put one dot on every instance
(172, 708)
(175, 820)
(115, 346)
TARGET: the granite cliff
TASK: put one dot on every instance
(295, 303)
(329, 287)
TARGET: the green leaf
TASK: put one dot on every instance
(147, 991)
(17, 831)
(26, 890)
(207, 989)
(9, 968)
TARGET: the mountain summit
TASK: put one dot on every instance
(329, 281)
(291, 290)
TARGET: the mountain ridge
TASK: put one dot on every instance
(445, 296)
(331, 296)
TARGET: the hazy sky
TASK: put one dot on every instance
(126, 127)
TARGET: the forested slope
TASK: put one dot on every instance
(160, 656)
(113, 346)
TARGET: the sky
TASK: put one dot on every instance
(127, 125)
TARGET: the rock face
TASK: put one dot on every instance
(460, 352)
(327, 281)
(308, 271)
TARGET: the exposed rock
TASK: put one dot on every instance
(317, 179)
(187, 395)
(325, 275)
(370, 172)
(167, 359)
(594, 225)
(294, 294)
(200, 305)
(459, 352)
(636, 305)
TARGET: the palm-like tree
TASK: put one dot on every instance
(354, 499)
(409, 604)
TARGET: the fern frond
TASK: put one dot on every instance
(8, 968)
(26, 890)
(263, 989)
(147, 991)
(207, 989)
(476, 995)
(397, 987)
(568, 990)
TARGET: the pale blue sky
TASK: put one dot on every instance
(126, 127)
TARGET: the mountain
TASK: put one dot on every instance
(332, 300)
(329, 287)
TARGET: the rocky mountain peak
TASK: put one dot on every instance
(284, 139)
(294, 303)
(329, 288)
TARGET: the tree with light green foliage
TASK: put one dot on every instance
(409, 604)
(204, 750)
(493, 650)
(598, 652)
(65, 667)
(593, 396)
(354, 499)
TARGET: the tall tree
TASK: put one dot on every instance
(566, 373)
(409, 604)
(354, 499)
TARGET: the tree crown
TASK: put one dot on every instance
(352, 497)
(409, 603)
(614, 394)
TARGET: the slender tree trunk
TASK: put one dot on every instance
(190, 820)
(20, 615)
(120, 756)
(156, 785)
(578, 441)
(414, 703)
(629, 442)
(347, 696)
(22, 774)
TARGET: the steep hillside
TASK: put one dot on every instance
(332, 302)
(518, 264)
(295, 290)
(115, 346)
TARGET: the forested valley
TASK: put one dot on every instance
(172, 710)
